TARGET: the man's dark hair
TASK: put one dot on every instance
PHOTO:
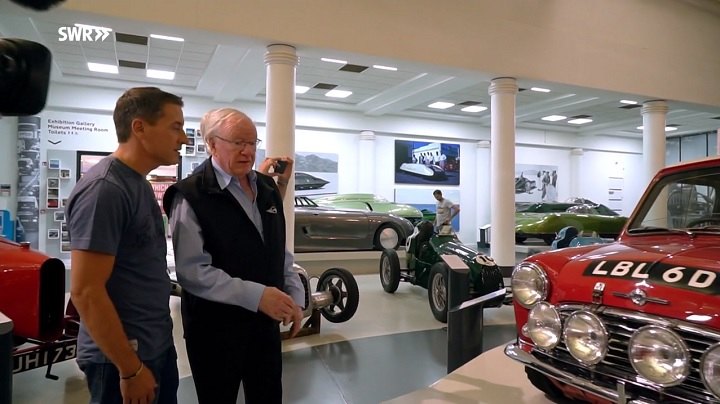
(146, 103)
(437, 192)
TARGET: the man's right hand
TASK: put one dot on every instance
(139, 389)
(277, 304)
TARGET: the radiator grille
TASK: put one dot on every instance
(616, 364)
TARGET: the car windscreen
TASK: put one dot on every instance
(683, 201)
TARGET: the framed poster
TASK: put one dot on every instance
(427, 163)
(535, 183)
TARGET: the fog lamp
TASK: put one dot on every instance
(586, 337)
(659, 355)
(544, 326)
(710, 369)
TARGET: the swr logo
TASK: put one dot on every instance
(83, 34)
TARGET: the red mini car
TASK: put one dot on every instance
(637, 320)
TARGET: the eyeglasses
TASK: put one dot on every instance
(241, 144)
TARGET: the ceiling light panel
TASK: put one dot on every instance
(160, 74)
(330, 60)
(382, 67)
(554, 118)
(540, 89)
(338, 93)
(441, 105)
(167, 38)
(474, 108)
(579, 121)
(102, 68)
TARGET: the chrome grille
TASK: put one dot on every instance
(616, 366)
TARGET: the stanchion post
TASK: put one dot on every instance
(464, 326)
(6, 359)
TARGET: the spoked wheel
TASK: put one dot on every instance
(389, 270)
(343, 287)
(437, 291)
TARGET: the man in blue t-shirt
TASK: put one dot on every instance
(119, 281)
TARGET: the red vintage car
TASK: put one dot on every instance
(32, 295)
(637, 320)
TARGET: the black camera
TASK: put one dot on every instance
(280, 166)
(24, 76)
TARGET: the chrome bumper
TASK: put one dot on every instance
(514, 351)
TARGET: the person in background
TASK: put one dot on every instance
(228, 232)
(118, 278)
(445, 210)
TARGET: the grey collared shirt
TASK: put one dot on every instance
(193, 264)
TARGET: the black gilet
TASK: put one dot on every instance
(232, 239)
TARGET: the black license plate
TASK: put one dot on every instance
(43, 355)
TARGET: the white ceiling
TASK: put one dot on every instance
(227, 69)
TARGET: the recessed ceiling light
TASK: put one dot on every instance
(631, 102)
(667, 128)
(102, 68)
(301, 89)
(553, 118)
(381, 67)
(342, 62)
(540, 89)
(580, 121)
(441, 105)
(338, 93)
(474, 108)
(159, 74)
(167, 38)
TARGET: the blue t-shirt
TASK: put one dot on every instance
(112, 210)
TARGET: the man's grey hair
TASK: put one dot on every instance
(216, 121)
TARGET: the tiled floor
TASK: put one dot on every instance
(391, 347)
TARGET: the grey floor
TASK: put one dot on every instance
(391, 347)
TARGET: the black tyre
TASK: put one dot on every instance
(519, 239)
(437, 291)
(542, 383)
(387, 236)
(344, 289)
(389, 270)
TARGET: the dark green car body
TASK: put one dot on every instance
(426, 268)
(544, 220)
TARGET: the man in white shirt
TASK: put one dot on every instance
(445, 210)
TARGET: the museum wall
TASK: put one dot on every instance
(336, 134)
(8, 163)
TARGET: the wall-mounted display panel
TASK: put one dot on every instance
(427, 163)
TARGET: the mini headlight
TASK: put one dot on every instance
(710, 369)
(529, 284)
(659, 355)
(586, 337)
(544, 325)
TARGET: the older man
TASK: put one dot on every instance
(228, 230)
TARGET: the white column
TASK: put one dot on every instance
(576, 173)
(366, 162)
(653, 114)
(502, 167)
(482, 183)
(281, 61)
